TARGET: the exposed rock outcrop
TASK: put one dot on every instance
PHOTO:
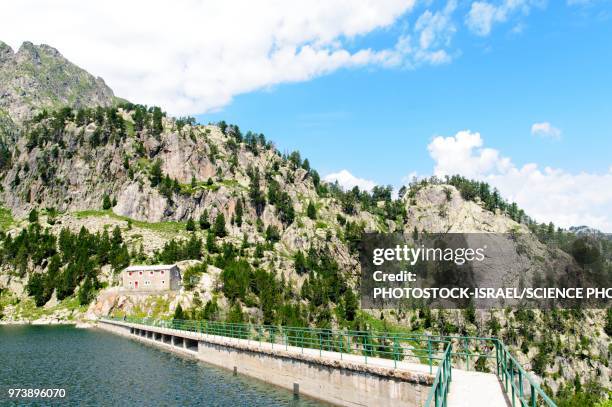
(38, 77)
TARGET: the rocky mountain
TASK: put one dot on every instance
(584, 230)
(90, 184)
(38, 77)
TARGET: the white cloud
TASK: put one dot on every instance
(547, 194)
(195, 56)
(435, 31)
(483, 15)
(545, 129)
(580, 2)
(349, 181)
(455, 155)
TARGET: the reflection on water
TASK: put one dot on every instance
(102, 369)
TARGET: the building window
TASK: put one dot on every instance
(140, 273)
(162, 272)
(130, 273)
(163, 282)
(151, 273)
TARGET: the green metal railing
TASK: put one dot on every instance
(479, 353)
(519, 385)
(397, 347)
(492, 355)
(438, 394)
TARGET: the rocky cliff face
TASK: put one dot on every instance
(38, 77)
(63, 168)
(441, 209)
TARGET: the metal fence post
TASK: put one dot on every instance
(497, 357)
(349, 342)
(395, 352)
(320, 344)
(429, 354)
(467, 353)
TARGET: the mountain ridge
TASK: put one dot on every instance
(38, 77)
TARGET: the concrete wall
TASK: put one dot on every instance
(117, 329)
(334, 385)
(331, 383)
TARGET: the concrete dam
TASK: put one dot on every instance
(351, 368)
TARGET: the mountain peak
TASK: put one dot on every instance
(6, 52)
(39, 77)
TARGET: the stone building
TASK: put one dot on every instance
(152, 278)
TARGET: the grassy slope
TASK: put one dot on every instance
(163, 227)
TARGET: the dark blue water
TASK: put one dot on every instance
(97, 368)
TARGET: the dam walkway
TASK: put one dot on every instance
(353, 367)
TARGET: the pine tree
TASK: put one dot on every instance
(156, 173)
(608, 326)
(117, 239)
(273, 192)
(235, 314)
(257, 198)
(300, 263)
(219, 228)
(311, 211)
(33, 216)
(259, 251)
(285, 209)
(350, 305)
(190, 226)
(211, 247)
(239, 213)
(295, 159)
(272, 234)
(178, 313)
(106, 202)
(139, 118)
(120, 259)
(86, 292)
(204, 221)
(36, 288)
(157, 122)
(211, 310)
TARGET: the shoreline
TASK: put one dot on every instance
(77, 324)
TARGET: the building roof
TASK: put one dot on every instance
(157, 267)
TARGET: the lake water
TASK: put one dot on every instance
(97, 368)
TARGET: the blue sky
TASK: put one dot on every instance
(513, 92)
(377, 122)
